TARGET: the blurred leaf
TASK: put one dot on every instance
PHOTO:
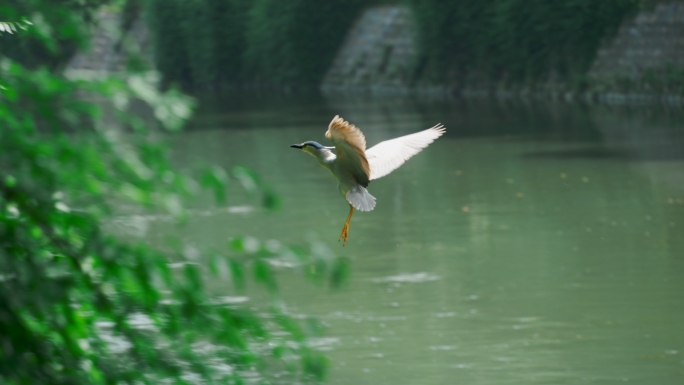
(315, 364)
(264, 274)
(271, 200)
(79, 304)
(192, 276)
(238, 274)
(10, 181)
(247, 178)
(237, 244)
(216, 179)
(340, 272)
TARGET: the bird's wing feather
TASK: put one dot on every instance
(387, 156)
(350, 145)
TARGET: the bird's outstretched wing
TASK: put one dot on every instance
(387, 156)
(350, 145)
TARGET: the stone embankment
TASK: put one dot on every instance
(106, 52)
(652, 40)
(379, 55)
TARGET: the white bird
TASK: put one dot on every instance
(354, 166)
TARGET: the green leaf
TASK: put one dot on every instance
(216, 179)
(340, 272)
(247, 178)
(264, 274)
(10, 181)
(271, 200)
(238, 274)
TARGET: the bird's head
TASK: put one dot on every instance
(311, 147)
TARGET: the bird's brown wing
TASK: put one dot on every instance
(350, 145)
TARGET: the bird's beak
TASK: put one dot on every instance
(299, 146)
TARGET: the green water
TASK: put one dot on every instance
(532, 244)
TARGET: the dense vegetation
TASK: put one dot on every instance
(79, 305)
(55, 34)
(514, 40)
(205, 44)
(272, 42)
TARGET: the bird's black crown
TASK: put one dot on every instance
(313, 144)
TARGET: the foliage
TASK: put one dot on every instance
(514, 40)
(78, 304)
(271, 42)
(198, 43)
(57, 31)
(170, 52)
(293, 42)
(13, 26)
(233, 42)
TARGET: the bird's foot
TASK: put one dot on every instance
(345, 229)
(345, 234)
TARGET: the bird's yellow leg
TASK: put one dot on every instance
(345, 229)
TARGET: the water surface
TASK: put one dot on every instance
(532, 244)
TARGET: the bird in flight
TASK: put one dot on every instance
(354, 166)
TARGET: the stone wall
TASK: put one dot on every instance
(377, 54)
(652, 40)
(104, 54)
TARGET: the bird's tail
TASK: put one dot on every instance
(361, 199)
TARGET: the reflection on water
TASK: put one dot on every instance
(532, 244)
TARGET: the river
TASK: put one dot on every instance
(534, 243)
